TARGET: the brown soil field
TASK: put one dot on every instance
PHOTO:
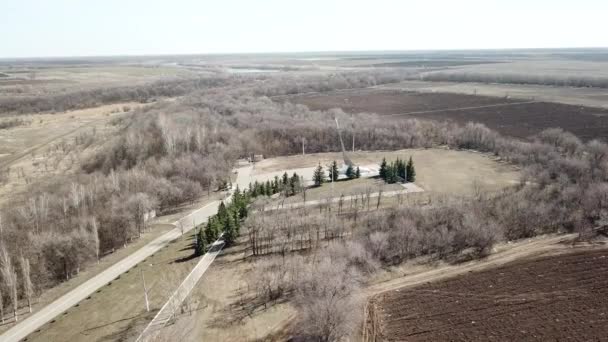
(519, 118)
(545, 299)
(392, 101)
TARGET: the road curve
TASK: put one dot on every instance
(46, 314)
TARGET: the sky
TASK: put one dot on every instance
(45, 28)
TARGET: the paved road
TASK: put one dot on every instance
(46, 314)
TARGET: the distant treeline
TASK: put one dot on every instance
(101, 96)
(516, 78)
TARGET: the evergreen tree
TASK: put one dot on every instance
(391, 173)
(230, 230)
(222, 212)
(268, 189)
(294, 184)
(383, 169)
(333, 173)
(285, 180)
(358, 173)
(200, 245)
(318, 176)
(276, 185)
(411, 171)
(350, 172)
(401, 169)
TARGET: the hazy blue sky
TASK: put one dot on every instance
(120, 27)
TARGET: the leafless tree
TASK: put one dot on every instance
(10, 279)
(27, 286)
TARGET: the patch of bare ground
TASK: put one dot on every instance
(538, 289)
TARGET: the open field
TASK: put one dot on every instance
(37, 79)
(592, 97)
(557, 297)
(519, 118)
(438, 170)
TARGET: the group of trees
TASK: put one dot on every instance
(13, 283)
(398, 170)
(552, 79)
(333, 173)
(226, 223)
(288, 186)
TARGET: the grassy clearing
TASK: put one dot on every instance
(438, 170)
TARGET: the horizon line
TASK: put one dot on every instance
(301, 52)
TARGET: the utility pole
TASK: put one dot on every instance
(145, 291)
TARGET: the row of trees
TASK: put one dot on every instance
(333, 173)
(398, 170)
(226, 223)
(288, 186)
(552, 79)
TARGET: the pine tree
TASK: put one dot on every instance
(276, 185)
(294, 184)
(230, 230)
(383, 169)
(350, 172)
(411, 171)
(318, 176)
(401, 169)
(358, 173)
(200, 245)
(285, 180)
(389, 173)
(333, 172)
(222, 212)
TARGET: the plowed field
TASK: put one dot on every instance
(559, 298)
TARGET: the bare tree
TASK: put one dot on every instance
(28, 288)
(10, 279)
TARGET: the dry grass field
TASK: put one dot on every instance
(36, 80)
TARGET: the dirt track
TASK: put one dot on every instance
(529, 299)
